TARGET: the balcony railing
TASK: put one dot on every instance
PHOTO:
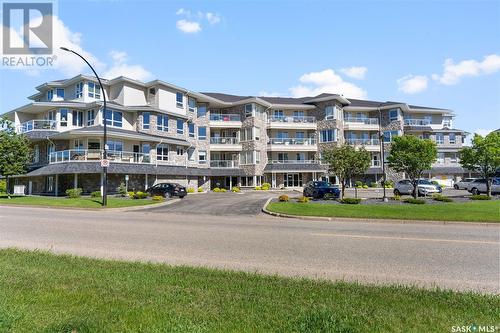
(366, 121)
(223, 164)
(37, 125)
(417, 122)
(293, 162)
(292, 119)
(225, 117)
(82, 155)
(292, 141)
(364, 142)
(224, 141)
(375, 163)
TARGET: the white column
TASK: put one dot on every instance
(145, 182)
(56, 189)
(75, 181)
(230, 183)
(102, 184)
(273, 180)
(30, 187)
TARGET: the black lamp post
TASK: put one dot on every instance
(382, 152)
(104, 155)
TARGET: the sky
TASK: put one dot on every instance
(442, 54)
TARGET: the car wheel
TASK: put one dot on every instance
(474, 191)
(168, 195)
(396, 192)
(328, 196)
(455, 187)
(182, 197)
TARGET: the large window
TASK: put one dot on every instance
(202, 111)
(114, 118)
(389, 135)
(447, 122)
(202, 157)
(79, 90)
(393, 114)
(202, 133)
(115, 145)
(246, 134)
(78, 144)
(162, 122)
(439, 138)
(327, 135)
(94, 90)
(90, 117)
(162, 152)
(247, 157)
(63, 116)
(191, 104)
(77, 118)
(145, 120)
(60, 92)
(179, 99)
(36, 154)
(330, 112)
(249, 110)
(50, 95)
(180, 126)
(191, 130)
(453, 139)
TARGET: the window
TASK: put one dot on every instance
(114, 145)
(300, 135)
(63, 116)
(162, 122)
(447, 122)
(191, 130)
(249, 110)
(247, 157)
(50, 149)
(94, 90)
(246, 134)
(50, 95)
(60, 92)
(191, 104)
(114, 118)
(77, 118)
(79, 144)
(90, 117)
(439, 138)
(162, 152)
(257, 156)
(79, 90)
(190, 152)
(202, 133)
(453, 158)
(247, 181)
(298, 114)
(202, 157)
(180, 150)
(180, 126)
(278, 114)
(179, 100)
(282, 157)
(393, 114)
(202, 111)
(327, 135)
(145, 120)
(452, 138)
(440, 158)
(330, 112)
(388, 135)
(257, 133)
(36, 154)
(94, 144)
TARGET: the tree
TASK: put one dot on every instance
(346, 162)
(412, 156)
(483, 157)
(15, 151)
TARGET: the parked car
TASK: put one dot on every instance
(321, 189)
(462, 185)
(424, 187)
(478, 186)
(167, 190)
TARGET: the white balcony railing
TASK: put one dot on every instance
(224, 141)
(223, 164)
(82, 155)
(292, 141)
(292, 119)
(293, 162)
(361, 120)
(417, 122)
(225, 117)
(37, 125)
(364, 142)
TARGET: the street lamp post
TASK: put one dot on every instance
(382, 152)
(104, 155)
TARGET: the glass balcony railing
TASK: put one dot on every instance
(292, 141)
(37, 125)
(364, 142)
(225, 117)
(82, 155)
(224, 141)
(223, 164)
(361, 120)
(293, 162)
(292, 119)
(417, 122)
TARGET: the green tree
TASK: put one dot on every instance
(15, 151)
(345, 162)
(412, 156)
(483, 157)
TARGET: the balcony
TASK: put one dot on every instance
(225, 120)
(293, 162)
(94, 155)
(417, 122)
(225, 144)
(37, 125)
(368, 144)
(303, 122)
(223, 164)
(361, 123)
(292, 143)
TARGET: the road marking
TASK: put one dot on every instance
(407, 238)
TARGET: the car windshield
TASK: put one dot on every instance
(424, 182)
(322, 184)
(468, 180)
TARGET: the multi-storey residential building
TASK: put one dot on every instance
(158, 131)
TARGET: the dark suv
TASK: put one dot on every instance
(321, 189)
(167, 190)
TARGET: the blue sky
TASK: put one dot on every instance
(380, 50)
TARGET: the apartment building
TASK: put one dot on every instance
(160, 132)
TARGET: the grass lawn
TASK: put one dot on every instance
(477, 211)
(84, 202)
(41, 292)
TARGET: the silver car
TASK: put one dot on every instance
(424, 187)
(478, 186)
(463, 184)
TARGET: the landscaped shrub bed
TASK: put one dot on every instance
(235, 189)
(140, 195)
(190, 190)
(480, 197)
(414, 201)
(157, 198)
(96, 194)
(283, 198)
(74, 193)
(440, 197)
(302, 199)
(350, 201)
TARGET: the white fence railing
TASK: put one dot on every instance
(417, 122)
(225, 117)
(364, 142)
(223, 164)
(37, 125)
(293, 162)
(82, 155)
(361, 120)
(224, 141)
(292, 119)
(292, 141)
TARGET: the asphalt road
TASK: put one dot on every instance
(461, 257)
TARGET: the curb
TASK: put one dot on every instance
(351, 219)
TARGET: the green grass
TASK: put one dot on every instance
(41, 292)
(84, 202)
(478, 211)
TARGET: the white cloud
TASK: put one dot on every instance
(182, 11)
(452, 73)
(212, 18)
(121, 68)
(189, 27)
(326, 81)
(356, 72)
(411, 84)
